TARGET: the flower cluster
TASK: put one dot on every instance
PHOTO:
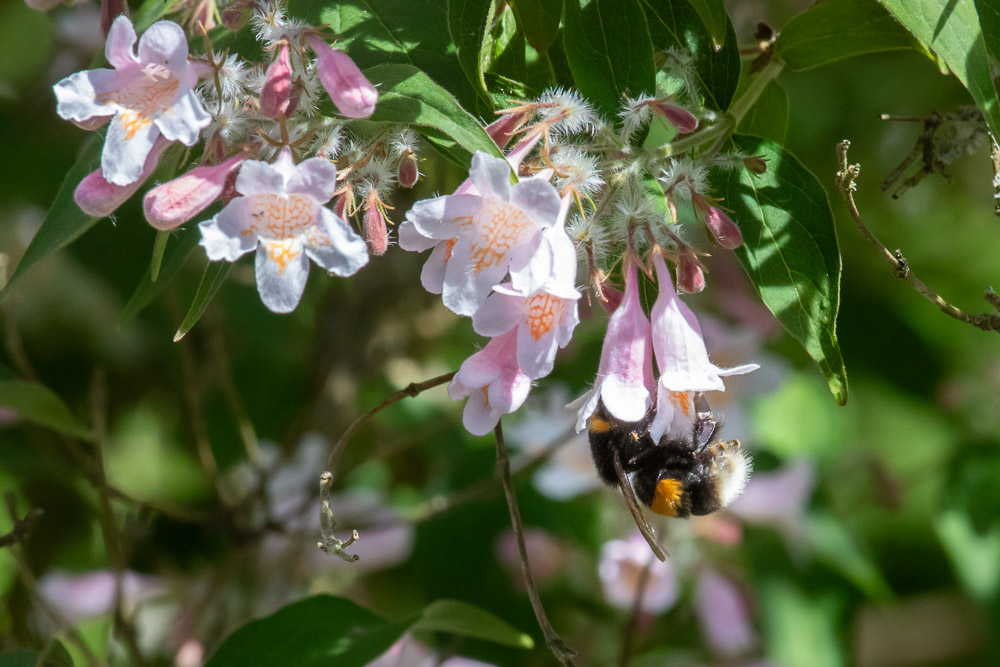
(268, 152)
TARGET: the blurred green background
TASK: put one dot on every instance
(894, 558)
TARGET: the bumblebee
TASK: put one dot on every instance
(677, 476)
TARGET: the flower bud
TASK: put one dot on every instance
(376, 232)
(175, 202)
(276, 97)
(408, 172)
(690, 276)
(234, 17)
(682, 119)
(343, 204)
(756, 164)
(98, 197)
(723, 228)
(351, 92)
(610, 298)
(501, 130)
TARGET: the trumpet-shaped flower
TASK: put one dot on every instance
(493, 382)
(175, 202)
(625, 375)
(495, 230)
(681, 356)
(145, 96)
(352, 93)
(97, 197)
(281, 214)
(544, 321)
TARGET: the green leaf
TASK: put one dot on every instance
(461, 618)
(837, 29)
(837, 548)
(713, 15)
(469, 22)
(147, 290)
(320, 630)
(39, 404)
(407, 95)
(989, 21)
(211, 280)
(951, 29)
(975, 557)
(768, 117)
(676, 24)
(538, 20)
(609, 52)
(64, 222)
(377, 32)
(790, 251)
(19, 658)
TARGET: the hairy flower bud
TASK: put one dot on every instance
(277, 98)
(690, 276)
(408, 172)
(682, 119)
(351, 92)
(756, 164)
(376, 232)
(175, 202)
(723, 228)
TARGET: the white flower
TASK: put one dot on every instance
(281, 214)
(143, 96)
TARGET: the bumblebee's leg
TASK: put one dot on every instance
(633, 506)
(705, 423)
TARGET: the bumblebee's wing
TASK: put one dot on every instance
(633, 506)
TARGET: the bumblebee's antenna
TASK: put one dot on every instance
(633, 506)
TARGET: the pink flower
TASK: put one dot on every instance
(681, 357)
(147, 96)
(544, 321)
(494, 227)
(351, 92)
(625, 375)
(493, 382)
(175, 202)
(281, 214)
(621, 566)
(97, 197)
(723, 615)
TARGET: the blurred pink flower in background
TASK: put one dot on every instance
(88, 594)
(723, 614)
(546, 556)
(621, 571)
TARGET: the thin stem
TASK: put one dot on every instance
(846, 183)
(563, 653)
(628, 635)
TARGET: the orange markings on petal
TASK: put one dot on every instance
(281, 253)
(277, 217)
(544, 312)
(501, 227)
(682, 400)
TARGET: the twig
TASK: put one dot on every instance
(22, 527)
(330, 542)
(995, 157)
(846, 177)
(628, 635)
(31, 584)
(563, 653)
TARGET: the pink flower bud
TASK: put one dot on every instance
(97, 197)
(756, 164)
(612, 298)
(351, 92)
(343, 204)
(690, 277)
(376, 232)
(234, 16)
(179, 200)
(276, 96)
(682, 119)
(501, 129)
(110, 10)
(723, 228)
(407, 173)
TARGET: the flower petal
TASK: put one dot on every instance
(282, 269)
(535, 357)
(464, 292)
(184, 120)
(164, 43)
(538, 199)
(76, 95)
(126, 149)
(411, 239)
(443, 217)
(433, 272)
(260, 178)
(499, 314)
(223, 237)
(316, 177)
(337, 248)
(490, 176)
(121, 40)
